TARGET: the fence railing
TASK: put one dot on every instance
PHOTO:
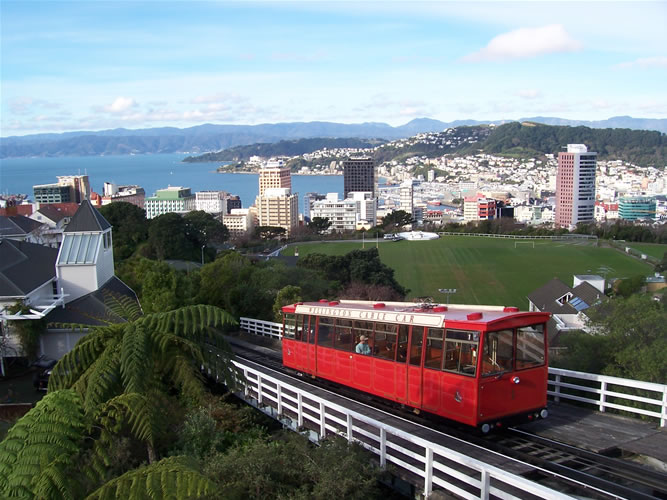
(567, 236)
(604, 392)
(600, 391)
(436, 466)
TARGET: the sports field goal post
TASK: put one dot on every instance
(524, 243)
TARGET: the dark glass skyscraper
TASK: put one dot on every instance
(359, 175)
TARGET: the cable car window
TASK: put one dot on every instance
(498, 355)
(416, 346)
(461, 349)
(434, 342)
(385, 340)
(344, 337)
(289, 326)
(403, 331)
(311, 329)
(364, 328)
(529, 346)
(325, 332)
(299, 327)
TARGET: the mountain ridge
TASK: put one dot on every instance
(212, 137)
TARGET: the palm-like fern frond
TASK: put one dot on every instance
(122, 305)
(174, 477)
(135, 353)
(43, 441)
(86, 352)
(104, 380)
(134, 409)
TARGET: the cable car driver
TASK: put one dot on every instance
(362, 346)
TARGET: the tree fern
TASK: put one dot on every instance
(122, 305)
(38, 449)
(170, 478)
(135, 351)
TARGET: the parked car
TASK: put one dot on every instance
(40, 379)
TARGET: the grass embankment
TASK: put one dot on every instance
(487, 270)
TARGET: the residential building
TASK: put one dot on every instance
(69, 188)
(575, 186)
(174, 199)
(71, 284)
(129, 194)
(478, 207)
(359, 176)
(359, 210)
(274, 175)
(637, 208)
(308, 201)
(568, 305)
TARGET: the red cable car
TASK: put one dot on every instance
(482, 366)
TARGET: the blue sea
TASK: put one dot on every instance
(152, 172)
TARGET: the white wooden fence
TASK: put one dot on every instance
(438, 467)
(600, 391)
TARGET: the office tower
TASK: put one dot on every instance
(357, 211)
(575, 186)
(637, 208)
(274, 175)
(69, 189)
(276, 205)
(359, 175)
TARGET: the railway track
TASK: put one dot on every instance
(560, 466)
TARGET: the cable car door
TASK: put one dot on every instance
(415, 366)
(498, 394)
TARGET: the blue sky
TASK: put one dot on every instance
(92, 65)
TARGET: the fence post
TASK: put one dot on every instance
(299, 421)
(557, 389)
(259, 389)
(485, 485)
(428, 480)
(323, 424)
(663, 416)
(383, 447)
(279, 394)
(603, 395)
(349, 428)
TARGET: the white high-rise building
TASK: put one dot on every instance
(356, 211)
(575, 186)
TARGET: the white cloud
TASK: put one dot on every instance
(644, 63)
(529, 93)
(121, 104)
(526, 42)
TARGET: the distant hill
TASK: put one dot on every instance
(210, 137)
(641, 147)
(292, 147)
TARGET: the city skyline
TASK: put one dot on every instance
(85, 65)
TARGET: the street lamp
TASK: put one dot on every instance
(447, 292)
(202, 254)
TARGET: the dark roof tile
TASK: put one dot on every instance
(87, 219)
(25, 267)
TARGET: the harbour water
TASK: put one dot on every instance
(152, 172)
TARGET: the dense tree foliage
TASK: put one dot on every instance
(319, 225)
(130, 227)
(396, 220)
(206, 229)
(629, 340)
(363, 266)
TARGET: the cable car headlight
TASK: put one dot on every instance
(516, 380)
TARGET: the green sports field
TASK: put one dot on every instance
(487, 270)
(653, 249)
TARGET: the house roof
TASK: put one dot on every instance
(24, 267)
(582, 297)
(93, 309)
(55, 212)
(588, 293)
(17, 225)
(544, 298)
(87, 219)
